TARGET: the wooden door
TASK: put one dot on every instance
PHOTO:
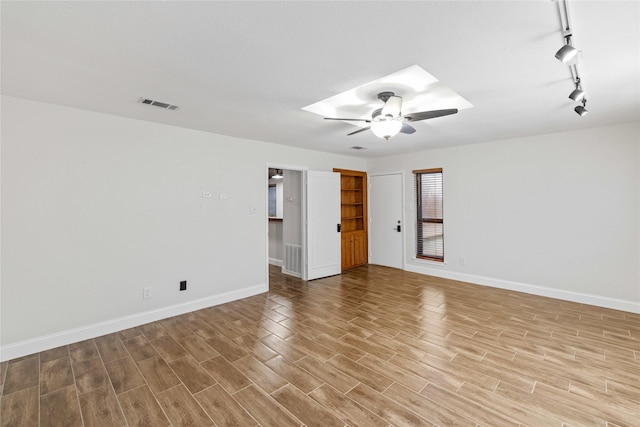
(347, 251)
(360, 253)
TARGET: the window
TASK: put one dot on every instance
(429, 218)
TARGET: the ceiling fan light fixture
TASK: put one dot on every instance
(388, 121)
(386, 128)
(392, 105)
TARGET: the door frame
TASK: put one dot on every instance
(402, 212)
(303, 220)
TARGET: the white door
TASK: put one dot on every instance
(385, 228)
(323, 217)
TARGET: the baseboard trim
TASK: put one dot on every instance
(589, 299)
(291, 273)
(276, 262)
(46, 342)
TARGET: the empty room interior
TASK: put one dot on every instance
(319, 213)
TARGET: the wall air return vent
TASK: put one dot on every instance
(158, 104)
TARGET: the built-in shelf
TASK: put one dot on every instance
(353, 214)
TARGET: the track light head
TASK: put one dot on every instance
(567, 52)
(578, 94)
(581, 109)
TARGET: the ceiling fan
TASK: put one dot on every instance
(388, 121)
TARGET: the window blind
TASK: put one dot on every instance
(429, 214)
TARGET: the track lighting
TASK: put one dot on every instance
(567, 52)
(578, 93)
(581, 109)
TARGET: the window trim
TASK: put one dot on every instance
(420, 220)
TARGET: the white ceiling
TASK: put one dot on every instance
(246, 69)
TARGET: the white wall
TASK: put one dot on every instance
(95, 207)
(292, 207)
(276, 246)
(279, 199)
(292, 229)
(554, 215)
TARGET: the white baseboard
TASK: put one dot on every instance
(276, 262)
(46, 342)
(291, 273)
(616, 304)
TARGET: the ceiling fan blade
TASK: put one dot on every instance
(423, 115)
(392, 107)
(349, 120)
(359, 130)
(407, 129)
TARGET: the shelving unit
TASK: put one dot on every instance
(353, 212)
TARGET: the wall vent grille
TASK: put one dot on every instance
(164, 105)
(293, 260)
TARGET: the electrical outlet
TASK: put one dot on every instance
(463, 261)
(146, 293)
(183, 285)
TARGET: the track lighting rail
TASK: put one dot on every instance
(566, 54)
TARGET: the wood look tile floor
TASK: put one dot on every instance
(372, 347)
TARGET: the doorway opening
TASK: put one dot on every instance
(310, 223)
(286, 211)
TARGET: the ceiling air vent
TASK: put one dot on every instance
(357, 147)
(158, 104)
